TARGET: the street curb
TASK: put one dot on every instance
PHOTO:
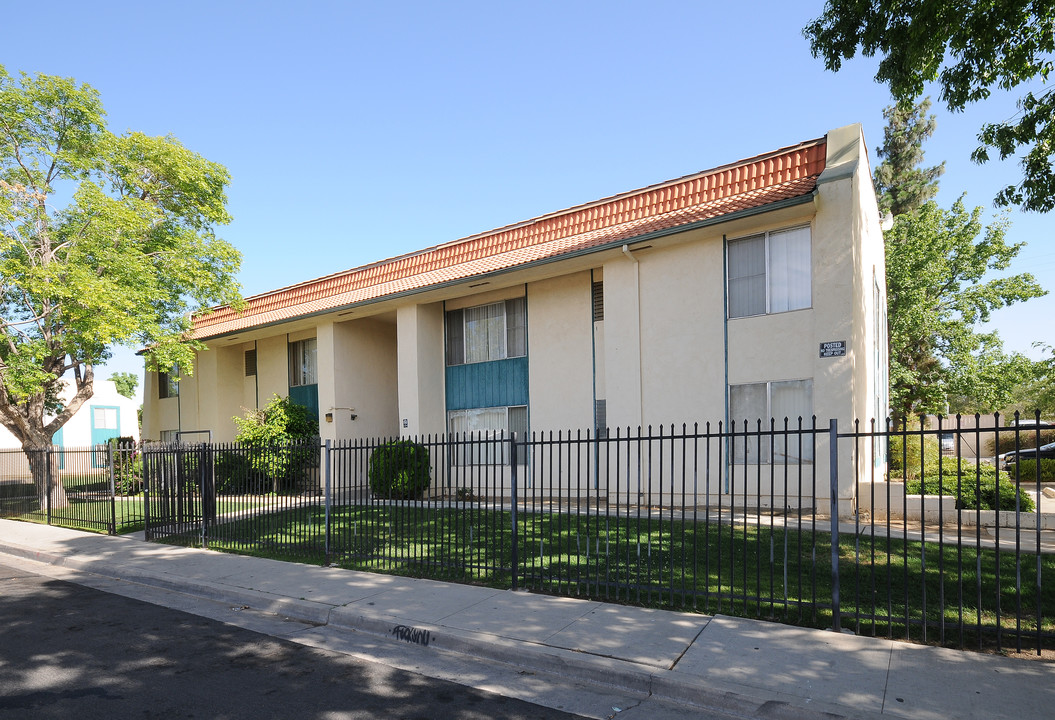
(306, 611)
(569, 664)
(534, 656)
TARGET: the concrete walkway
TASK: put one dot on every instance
(741, 667)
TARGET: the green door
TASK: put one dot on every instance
(106, 424)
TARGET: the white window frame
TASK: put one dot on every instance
(773, 305)
(498, 346)
(105, 417)
(756, 450)
(483, 445)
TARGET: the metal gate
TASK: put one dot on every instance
(179, 498)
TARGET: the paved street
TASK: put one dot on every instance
(380, 636)
(68, 651)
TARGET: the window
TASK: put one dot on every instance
(104, 418)
(789, 399)
(168, 383)
(169, 436)
(303, 367)
(250, 362)
(483, 428)
(770, 273)
(487, 332)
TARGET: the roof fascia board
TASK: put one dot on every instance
(730, 217)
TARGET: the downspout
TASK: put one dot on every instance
(593, 374)
(256, 377)
(640, 369)
(593, 353)
(725, 350)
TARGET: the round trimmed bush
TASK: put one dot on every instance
(400, 471)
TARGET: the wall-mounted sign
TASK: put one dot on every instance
(835, 348)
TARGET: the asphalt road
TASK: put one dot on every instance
(70, 651)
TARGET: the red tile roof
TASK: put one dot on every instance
(787, 173)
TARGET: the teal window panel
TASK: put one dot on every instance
(499, 383)
(308, 396)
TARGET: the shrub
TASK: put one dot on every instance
(281, 439)
(977, 487)
(1027, 470)
(400, 471)
(1027, 438)
(235, 474)
(128, 466)
(906, 451)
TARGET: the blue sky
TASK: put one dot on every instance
(358, 131)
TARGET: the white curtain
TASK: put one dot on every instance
(516, 327)
(747, 277)
(789, 270)
(792, 400)
(479, 428)
(748, 403)
(485, 333)
(304, 362)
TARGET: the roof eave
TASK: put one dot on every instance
(615, 244)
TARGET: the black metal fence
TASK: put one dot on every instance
(940, 533)
(97, 488)
(889, 530)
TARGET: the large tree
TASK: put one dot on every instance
(969, 49)
(940, 287)
(125, 383)
(901, 185)
(1038, 391)
(941, 284)
(104, 239)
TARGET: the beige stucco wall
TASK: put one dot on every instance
(560, 353)
(419, 339)
(622, 342)
(682, 331)
(365, 378)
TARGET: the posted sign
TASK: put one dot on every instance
(835, 348)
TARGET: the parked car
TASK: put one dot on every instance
(1045, 452)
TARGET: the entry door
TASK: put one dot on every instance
(105, 425)
(56, 442)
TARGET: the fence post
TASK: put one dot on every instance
(328, 497)
(513, 510)
(47, 483)
(113, 489)
(146, 468)
(833, 473)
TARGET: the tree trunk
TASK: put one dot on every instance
(44, 466)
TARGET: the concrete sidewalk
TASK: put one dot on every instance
(742, 667)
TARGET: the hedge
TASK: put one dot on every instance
(1027, 471)
(977, 486)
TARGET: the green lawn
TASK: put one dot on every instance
(94, 515)
(783, 574)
